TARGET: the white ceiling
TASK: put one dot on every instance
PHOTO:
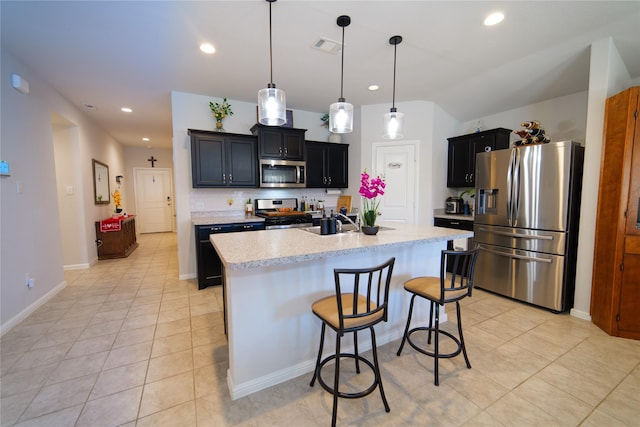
(116, 53)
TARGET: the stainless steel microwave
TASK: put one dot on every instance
(282, 173)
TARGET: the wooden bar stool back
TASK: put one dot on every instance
(449, 287)
(360, 302)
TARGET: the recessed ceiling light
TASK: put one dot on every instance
(493, 19)
(126, 110)
(373, 87)
(146, 139)
(207, 48)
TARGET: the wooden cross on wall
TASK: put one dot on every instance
(153, 161)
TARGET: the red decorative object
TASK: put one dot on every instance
(111, 224)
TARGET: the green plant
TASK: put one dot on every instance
(325, 119)
(220, 111)
(471, 192)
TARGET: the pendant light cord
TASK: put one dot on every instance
(270, 49)
(342, 68)
(393, 101)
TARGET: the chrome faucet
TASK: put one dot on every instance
(355, 224)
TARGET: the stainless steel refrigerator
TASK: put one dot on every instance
(526, 222)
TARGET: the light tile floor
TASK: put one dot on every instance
(127, 343)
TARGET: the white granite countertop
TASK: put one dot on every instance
(267, 248)
(224, 219)
(440, 213)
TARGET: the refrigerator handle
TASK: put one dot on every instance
(524, 257)
(509, 184)
(515, 210)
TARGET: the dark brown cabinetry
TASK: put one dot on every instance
(327, 165)
(279, 142)
(459, 224)
(221, 159)
(463, 150)
(210, 272)
(615, 289)
(117, 244)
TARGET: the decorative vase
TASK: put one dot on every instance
(335, 137)
(219, 125)
(370, 230)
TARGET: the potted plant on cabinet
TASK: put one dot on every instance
(220, 111)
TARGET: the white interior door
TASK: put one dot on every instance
(154, 200)
(397, 163)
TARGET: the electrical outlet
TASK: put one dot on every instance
(29, 281)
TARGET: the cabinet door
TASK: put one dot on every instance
(209, 265)
(207, 161)
(241, 162)
(270, 141)
(316, 154)
(293, 144)
(459, 163)
(337, 166)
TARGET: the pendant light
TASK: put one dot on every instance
(272, 105)
(341, 112)
(393, 120)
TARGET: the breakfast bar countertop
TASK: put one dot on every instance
(268, 248)
(206, 218)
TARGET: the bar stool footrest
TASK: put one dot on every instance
(431, 353)
(356, 395)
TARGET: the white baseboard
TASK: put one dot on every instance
(76, 267)
(11, 323)
(187, 276)
(580, 314)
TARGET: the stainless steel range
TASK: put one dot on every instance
(281, 213)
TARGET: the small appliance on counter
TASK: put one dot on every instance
(453, 205)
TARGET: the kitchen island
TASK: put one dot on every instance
(273, 277)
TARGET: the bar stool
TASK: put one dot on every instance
(360, 302)
(449, 287)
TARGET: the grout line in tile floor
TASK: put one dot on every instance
(128, 344)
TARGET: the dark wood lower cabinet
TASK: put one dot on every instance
(117, 244)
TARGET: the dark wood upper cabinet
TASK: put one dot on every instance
(327, 165)
(279, 142)
(462, 154)
(221, 159)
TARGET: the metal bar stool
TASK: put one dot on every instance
(449, 287)
(360, 302)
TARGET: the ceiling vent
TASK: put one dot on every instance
(327, 45)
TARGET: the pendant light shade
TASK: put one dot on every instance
(341, 112)
(393, 120)
(272, 104)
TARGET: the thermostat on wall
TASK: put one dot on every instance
(4, 168)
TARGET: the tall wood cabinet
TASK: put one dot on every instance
(615, 291)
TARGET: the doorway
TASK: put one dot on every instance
(397, 163)
(154, 199)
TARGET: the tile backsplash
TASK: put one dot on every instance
(219, 199)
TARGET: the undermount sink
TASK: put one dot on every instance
(346, 229)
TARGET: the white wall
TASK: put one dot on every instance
(70, 195)
(419, 124)
(607, 76)
(191, 111)
(29, 218)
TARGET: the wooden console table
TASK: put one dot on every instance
(117, 244)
